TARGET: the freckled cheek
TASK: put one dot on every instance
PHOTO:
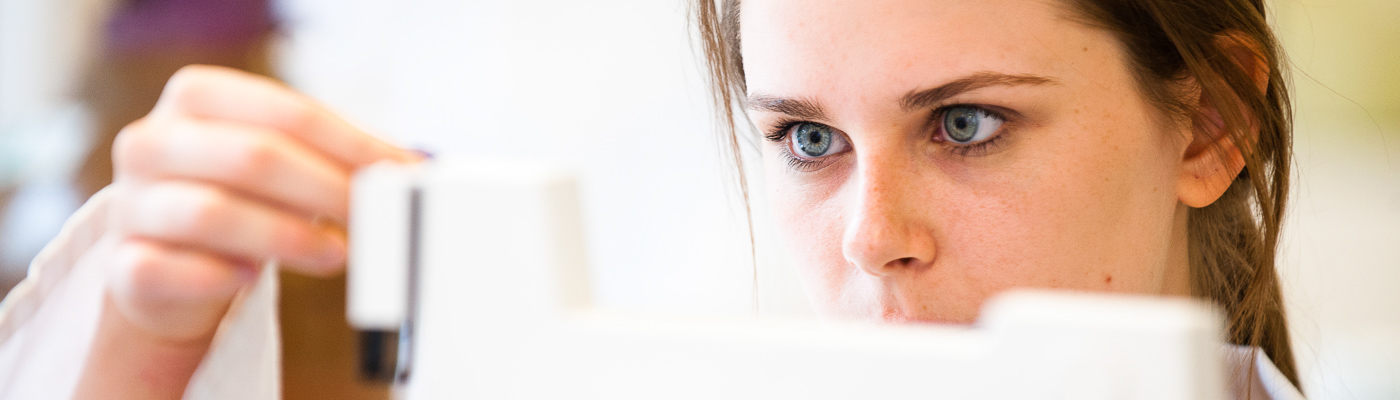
(1042, 227)
(813, 237)
(1082, 223)
(807, 235)
(1048, 238)
(811, 231)
(1123, 218)
(992, 246)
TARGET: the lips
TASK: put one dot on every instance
(898, 302)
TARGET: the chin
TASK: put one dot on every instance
(891, 317)
(900, 316)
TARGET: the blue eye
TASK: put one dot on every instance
(967, 124)
(813, 140)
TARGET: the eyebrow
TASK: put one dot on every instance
(799, 108)
(914, 100)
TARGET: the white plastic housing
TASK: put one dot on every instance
(381, 224)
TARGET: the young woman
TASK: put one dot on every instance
(921, 156)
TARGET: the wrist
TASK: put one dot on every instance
(128, 361)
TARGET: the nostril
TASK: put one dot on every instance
(909, 264)
(892, 266)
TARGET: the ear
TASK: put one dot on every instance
(1213, 159)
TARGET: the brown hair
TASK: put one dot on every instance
(1233, 241)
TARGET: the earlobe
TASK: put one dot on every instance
(1206, 174)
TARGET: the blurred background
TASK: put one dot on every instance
(615, 90)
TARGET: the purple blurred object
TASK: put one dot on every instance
(140, 26)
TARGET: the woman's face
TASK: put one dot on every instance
(924, 155)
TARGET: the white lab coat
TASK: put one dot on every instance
(47, 324)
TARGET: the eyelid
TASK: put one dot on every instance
(780, 128)
(1006, 114)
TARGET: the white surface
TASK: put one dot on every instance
(504, 313)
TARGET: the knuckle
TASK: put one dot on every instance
(293, 238)
(205, 87)
(192, 86)
(142, 265)
(187, 84)
(253, 160)
(193, 71)
(133, 145)
(204, 212)
(301, 117)
(180, 212)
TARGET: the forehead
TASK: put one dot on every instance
(797, 47)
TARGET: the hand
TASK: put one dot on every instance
(229, 169)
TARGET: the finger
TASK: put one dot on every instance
(228, 94)
(201, 216)
(247, 158)
(174, 292)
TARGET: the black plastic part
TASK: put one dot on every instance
(378, 355)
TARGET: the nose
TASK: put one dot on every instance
(887, 230)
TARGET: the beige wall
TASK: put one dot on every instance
(1346, 56)
(1341, 255)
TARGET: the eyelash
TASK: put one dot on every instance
(798, 164)
(781, 128)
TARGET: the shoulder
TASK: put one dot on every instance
(1252, 375)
